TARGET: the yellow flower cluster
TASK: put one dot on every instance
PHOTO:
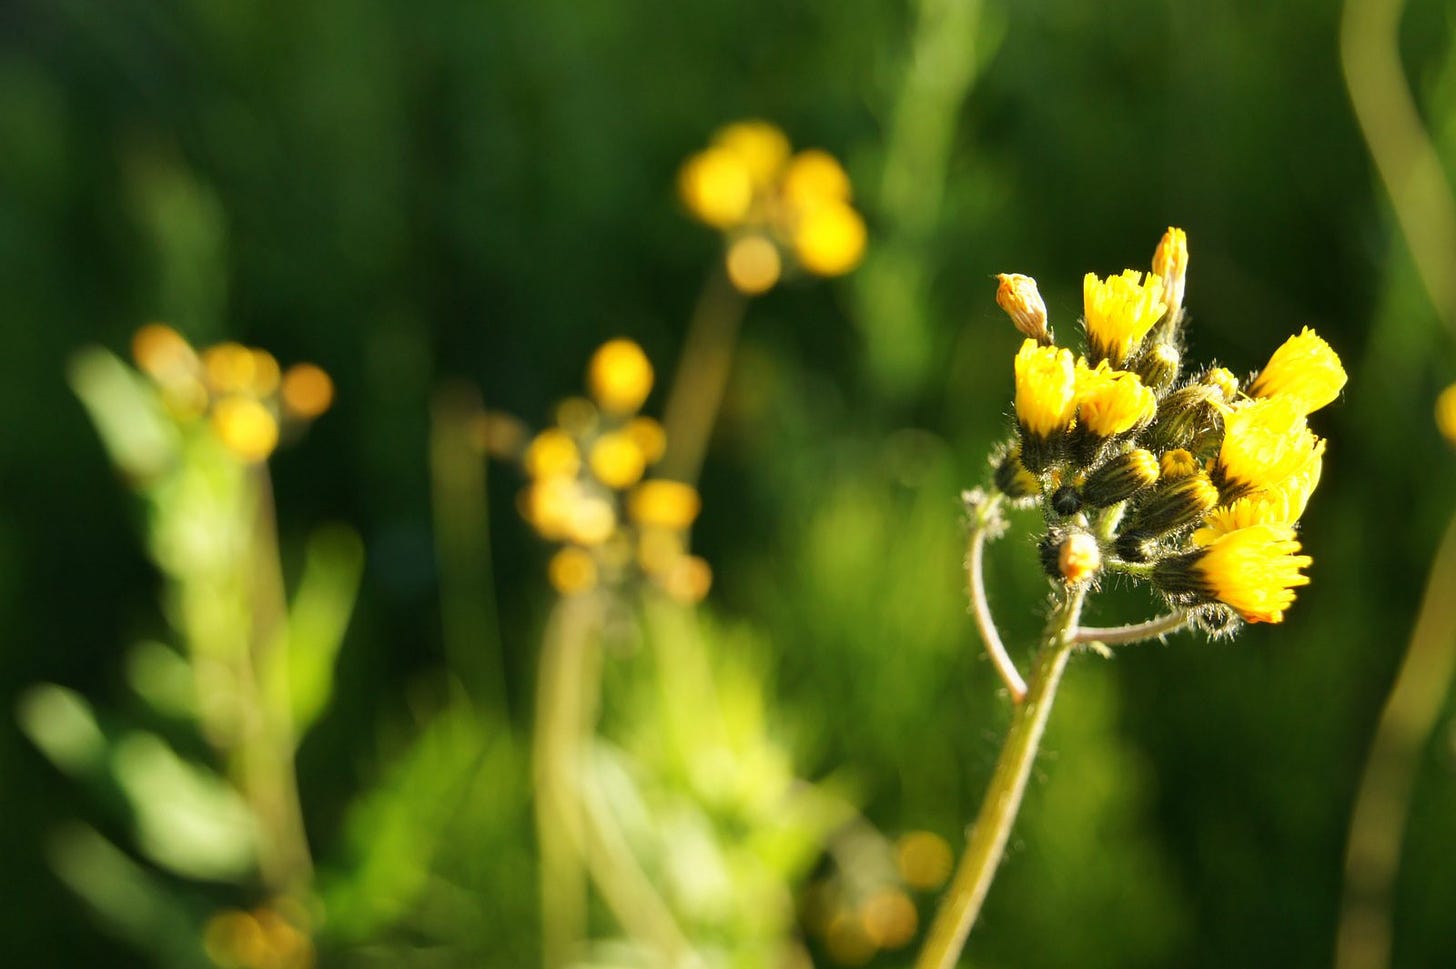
(773, 205)
(261, 939)
(1197, 485)
(588, 491)
(246, 399)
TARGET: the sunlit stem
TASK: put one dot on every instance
(701, 379)
(988, 837)
(1133, 633)
(983, 520)
(1377, 826)
(265, 749)
(579, 833)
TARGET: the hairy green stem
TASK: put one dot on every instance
(1132, 633)
(988, 837)
(983, 520)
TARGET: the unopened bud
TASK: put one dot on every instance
(1178, 463)
(1066, 501)
(1021, 300)
(1158, 366)
(1079, 558)
(1182, 415)
(1176, 505)
(1170, 262)
(1120, 478)
(1012, 478)
(1222, 380)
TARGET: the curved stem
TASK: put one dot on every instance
(983, 519)
(987, 843)
(1132, 633)
(1382, 804)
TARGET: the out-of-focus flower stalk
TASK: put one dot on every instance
(1377, 826)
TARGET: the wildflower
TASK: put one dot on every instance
(761, 148)
(245, 427)
(716, 187)
(1177, 463)
(1222, 380)
(1046, 398)
(1304, 370)
(687, 579)
(1012, 477)
(753, 264)
(616, 460)
(620, 376)
(1120, 478)
(1175, 505)
(649, 437)
(1170, 264)
(572, 570)
(1282, 503)
(552, 453)
(1019, 297)
(1265, 442)
(1119, 312)
(670, 504)
(829, 239)
(814, 177)
(1158, 366)
(1112, 401)
(1446, 413)
(1255, 570)
(306, 391)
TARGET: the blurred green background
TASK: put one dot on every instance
(406, 193)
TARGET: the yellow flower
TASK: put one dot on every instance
(1304, 370)
(761, 147)
(1046, 389)
(1446, 413)
(1265, 442)
(716, 187)
(1119, 312)
(1019, 297)
(163, 353)
(753, 264)
(620, 376)
(616, 460)
(1222, 380)
(1170, 264)
(669, 504)
(306, 391)
(572, 570)
(1253, 569)
(245, 427)
(814, 177)
(829, 239)
(1280, 504)
(552, 453)
(1178, 463)
(649, 437)
(1112, 401)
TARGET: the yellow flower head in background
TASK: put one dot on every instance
(248, 400)
(589, 488)
(781, 212)
(1446, 413)
(1304, 370)
(620, 376)
(1119, 312)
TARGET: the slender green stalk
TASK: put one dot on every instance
(1377, 827)
(987, 843)
(701, 379)
(1132, 633)
(984, 520)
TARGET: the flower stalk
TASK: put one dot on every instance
(992, 828)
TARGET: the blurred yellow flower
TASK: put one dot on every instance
(829, 239)
(650, 437)
(687, 579)
(307, 391)
(572, 570)
(230, 368)
(924, 859)
(620, 376)
(245, 427)
(1446, 413)
(552, 453)
(753, 264)
(163, 354)
(761, 147)
(592, 519)
(716, 187)
(889, 918)
(617, 460)
(670, 504)
(814, 177)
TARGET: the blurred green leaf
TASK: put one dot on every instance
(61, 723)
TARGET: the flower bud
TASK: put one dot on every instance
(1079, 558)
(1178, 463)
(1182, 415)
(1012, 478)
(1022, 301)
(1157, 366)
(1175, 505)
(1170, 263)
(1120, 478)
